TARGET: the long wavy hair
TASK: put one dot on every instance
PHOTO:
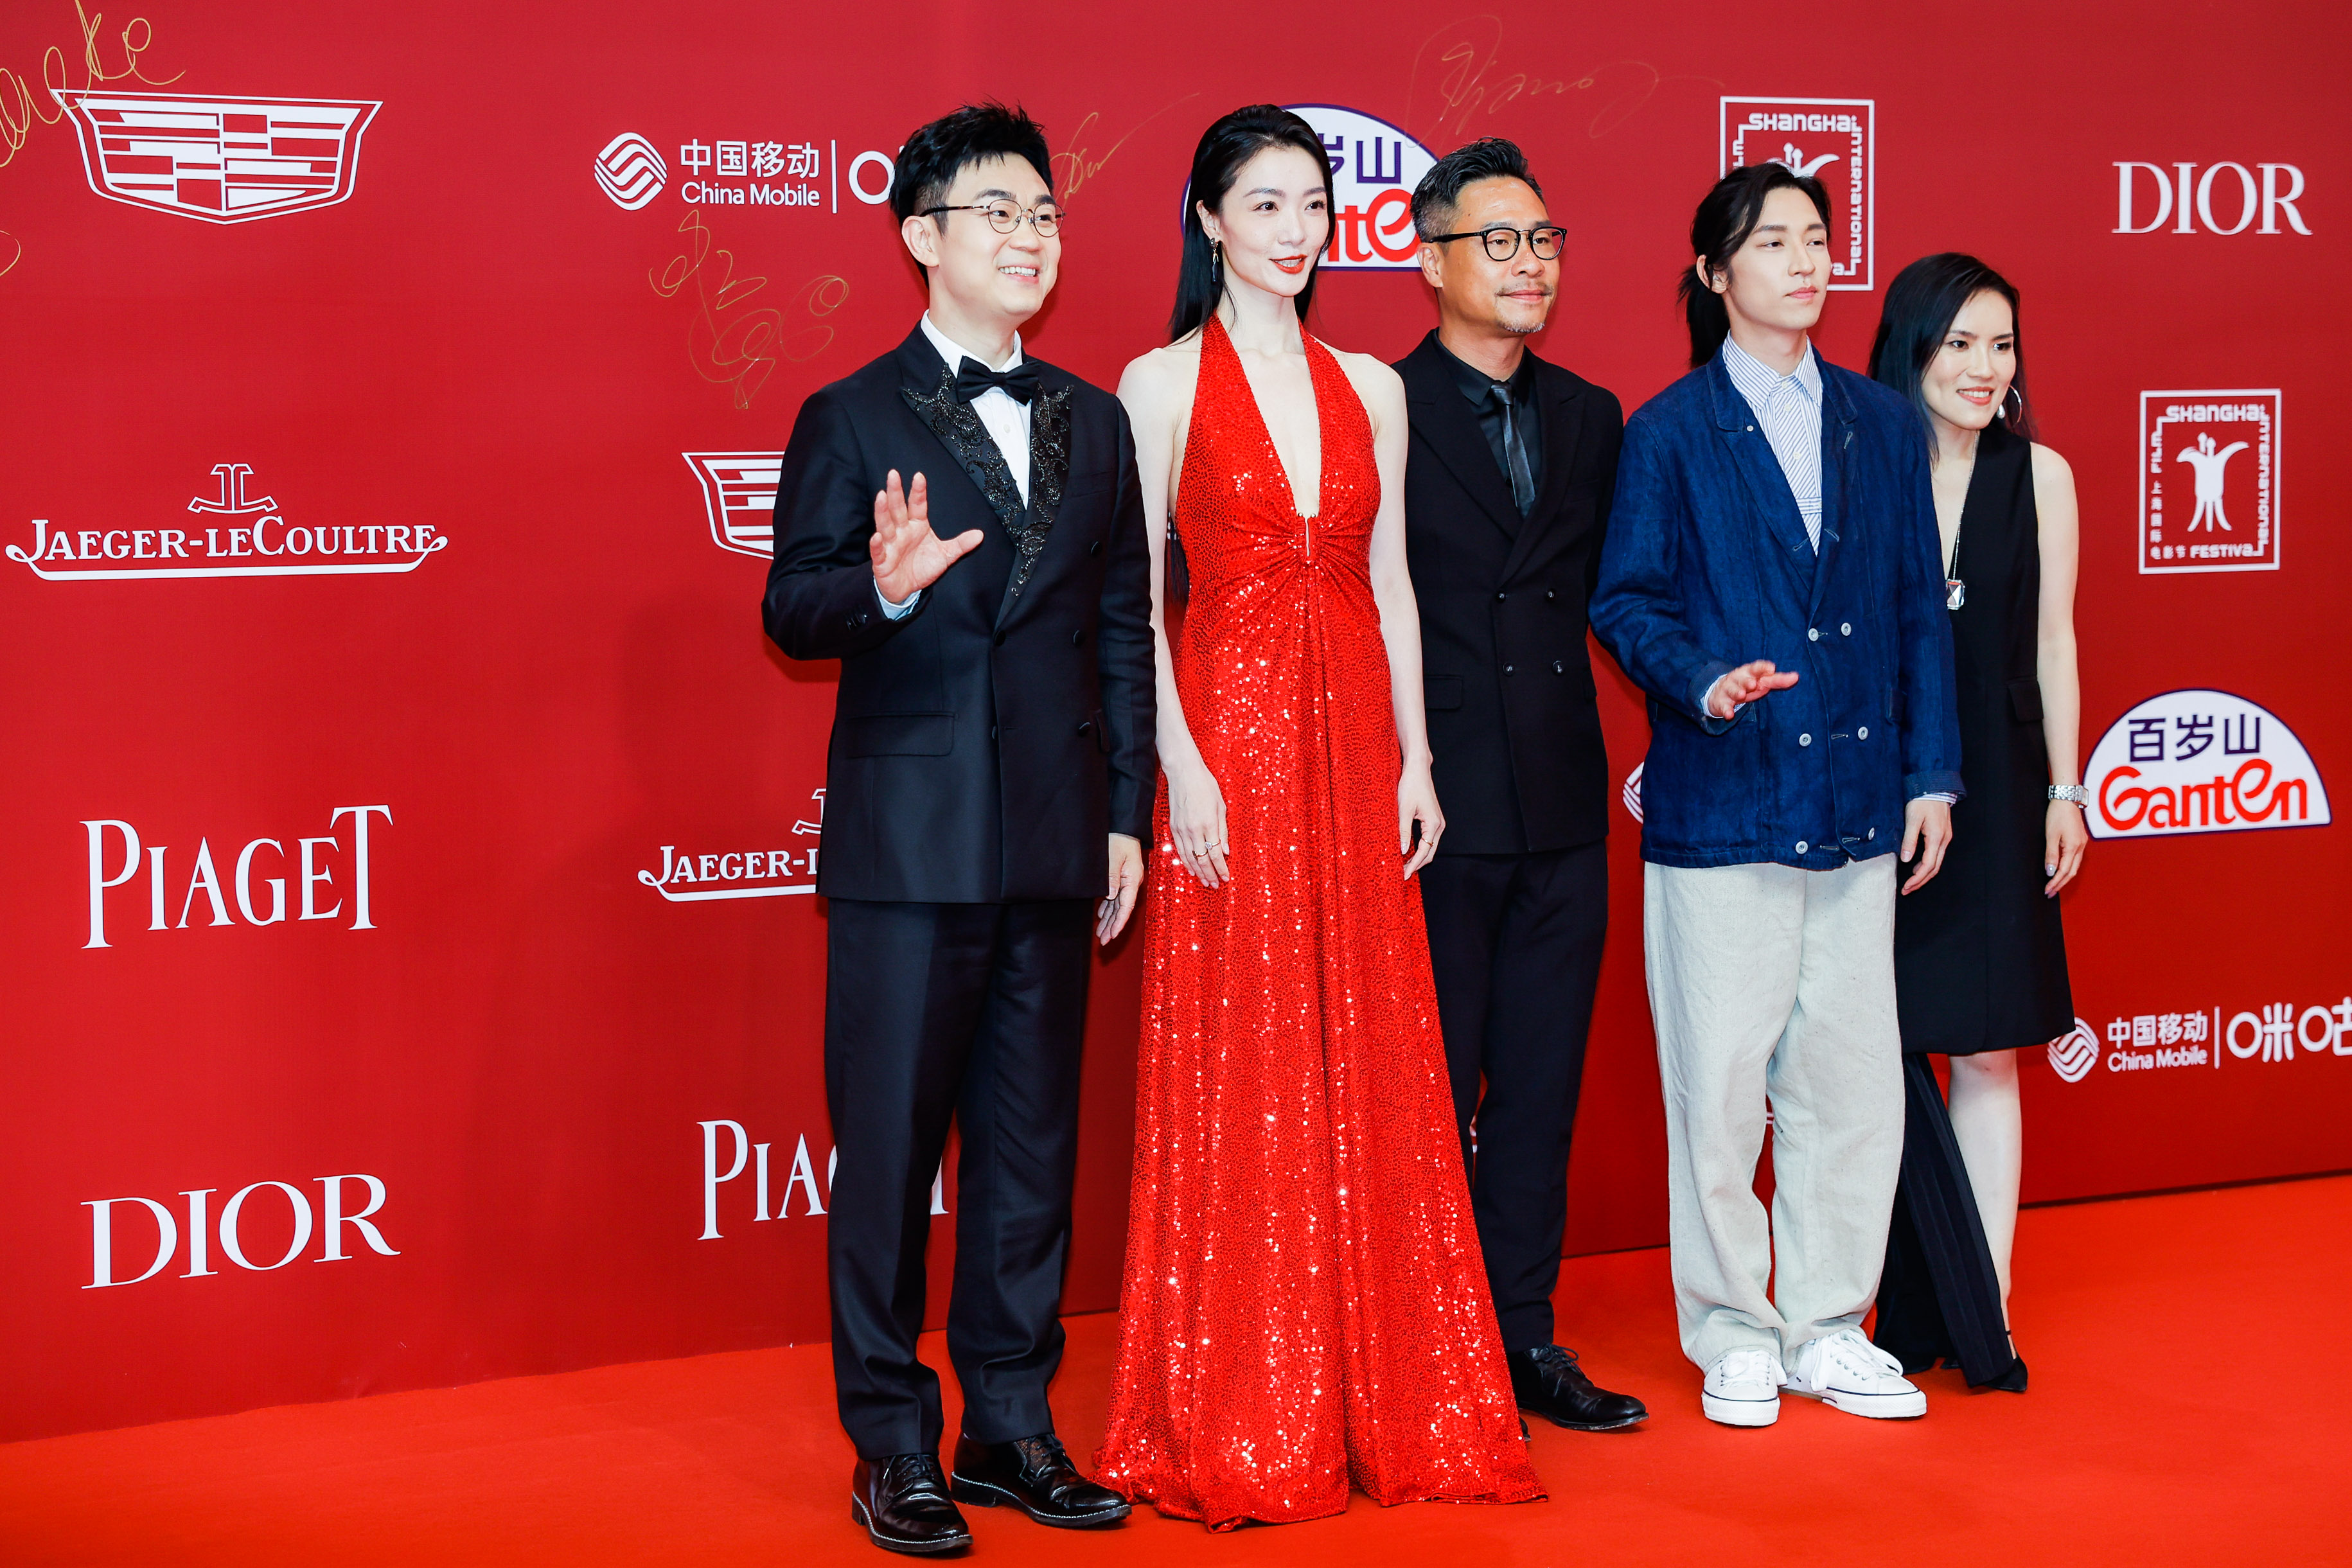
(1216, 164)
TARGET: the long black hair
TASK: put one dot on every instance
(1922, 303)
(1216, 164)
(1727, 215)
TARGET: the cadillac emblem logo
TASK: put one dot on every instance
(738, 495)
(221, 160)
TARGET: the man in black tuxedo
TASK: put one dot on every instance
(960, 525)
(1512, 464)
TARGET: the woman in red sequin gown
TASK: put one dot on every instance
(1304, 1305)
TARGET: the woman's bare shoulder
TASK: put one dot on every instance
(1162, 374)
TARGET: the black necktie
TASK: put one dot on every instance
(1515, 452)
(1019, 384)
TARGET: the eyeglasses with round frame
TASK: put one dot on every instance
(1546, 240)
(1004, 217)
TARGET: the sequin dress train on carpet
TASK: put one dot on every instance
(1304, 1303)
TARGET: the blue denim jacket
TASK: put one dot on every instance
(1707, 566)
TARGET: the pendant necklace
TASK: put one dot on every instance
(1956, 593)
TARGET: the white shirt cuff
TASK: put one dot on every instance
(901, 610)
(1938, 795)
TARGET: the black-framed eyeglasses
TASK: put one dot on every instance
(1546, 240)
(1046, 217)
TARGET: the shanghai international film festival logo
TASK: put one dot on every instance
(220, 160)
(1832, 140)
(739, 496)
(2208, 481)
(232, 533)
(2200, 762)
(698, 876)
(1374, 167)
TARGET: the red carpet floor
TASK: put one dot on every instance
(2186, 1353)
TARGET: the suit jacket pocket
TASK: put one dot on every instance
(2025, 699)
(1441, 693)
(898, 735)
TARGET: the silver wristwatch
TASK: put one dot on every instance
(2080, 794)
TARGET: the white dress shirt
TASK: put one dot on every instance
(1006, 419)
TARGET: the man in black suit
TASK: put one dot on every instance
(1512, 464)
(960, 525)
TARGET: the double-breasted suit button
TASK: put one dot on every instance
(1085, 727)
(1813, 634)
(1500, 597)
(1804, 740)
(1559, 668)
(1078, 639)
(1506, 669)
(1095, 549)
(1549, 596)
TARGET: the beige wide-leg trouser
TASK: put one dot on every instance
(1771, 983)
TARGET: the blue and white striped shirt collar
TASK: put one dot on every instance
(1756, 380)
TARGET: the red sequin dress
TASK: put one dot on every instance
(1304, 1305)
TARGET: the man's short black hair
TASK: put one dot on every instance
(1435, 199)
(928, 165)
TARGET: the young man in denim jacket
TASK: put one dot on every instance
(1770, 579)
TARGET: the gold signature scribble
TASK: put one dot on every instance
(728, 341)
(1077, 163)
(1459, 83)
(22, 108)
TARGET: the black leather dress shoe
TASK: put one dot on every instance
(1548, 1381)
(903, 1503)
(1037, 1476)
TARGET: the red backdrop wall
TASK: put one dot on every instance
(406, 268)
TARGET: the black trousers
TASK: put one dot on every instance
(976, 1011)
(1515, 942)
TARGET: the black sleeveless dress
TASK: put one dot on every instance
(1979, 956)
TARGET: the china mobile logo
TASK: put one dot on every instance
(2275, 1032)
(697, 876)
(311, 868)
(801, 1178)
(2200, 762)
(231, 534)
(2208, 481)
(739, 497)
(221, 159)
(1374, 167)
(2074, 1053)
(329, 1222)
(2190, 196)
(1832, 140)
(742, 172)
(630, 172)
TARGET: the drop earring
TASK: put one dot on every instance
(1216, 264)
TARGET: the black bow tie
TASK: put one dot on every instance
(1019, 384)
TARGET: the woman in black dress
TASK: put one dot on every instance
(1979, 958)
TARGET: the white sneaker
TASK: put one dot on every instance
(1743, 1388)
(1846, 1372)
